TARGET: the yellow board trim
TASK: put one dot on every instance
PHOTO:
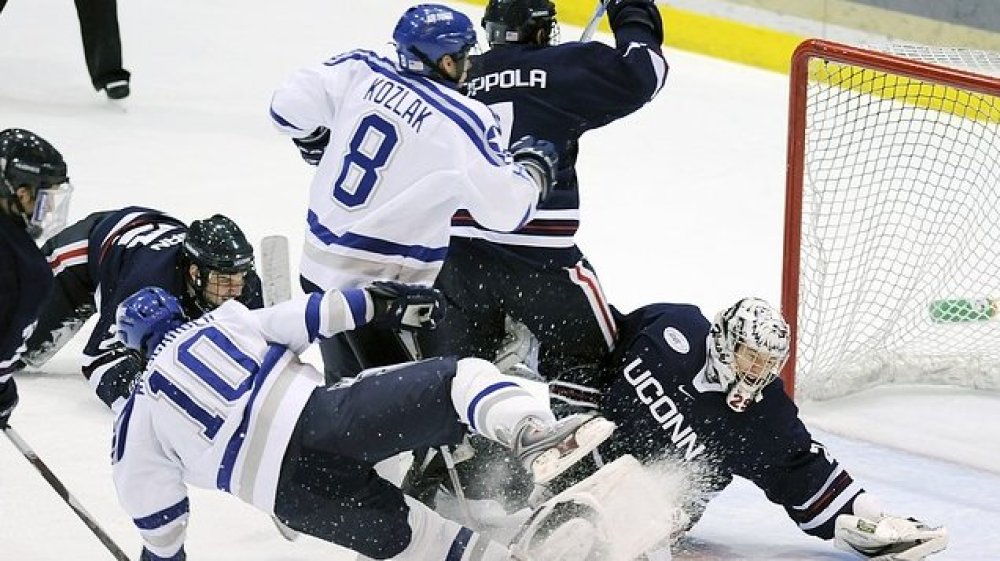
(908, 91)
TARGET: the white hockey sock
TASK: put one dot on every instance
(487, 400)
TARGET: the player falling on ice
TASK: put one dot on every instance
(225, 403)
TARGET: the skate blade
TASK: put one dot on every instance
(558, 459)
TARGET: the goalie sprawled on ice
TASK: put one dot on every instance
(705, 396)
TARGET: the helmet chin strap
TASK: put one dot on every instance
(17, 211)
(193, 293)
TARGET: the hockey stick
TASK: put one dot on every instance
(276, 282)
(274, 271)
(63, 493)
(588, 31)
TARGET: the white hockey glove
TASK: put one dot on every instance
(539, 158)
(405, 306)
(890, 538)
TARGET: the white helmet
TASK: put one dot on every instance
(748, 345)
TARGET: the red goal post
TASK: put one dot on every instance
(891, 266)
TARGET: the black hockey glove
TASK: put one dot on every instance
(405, 306)
(540, 158)
(8, 401)
(313, 146)
(641, 12)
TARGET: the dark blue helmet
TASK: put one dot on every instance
(427, 32)
(520, 21)
(215, 244)
(27, 159)
(146, 317)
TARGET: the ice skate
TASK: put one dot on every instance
(549, 450)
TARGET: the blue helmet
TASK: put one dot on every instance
(145, 317)
(427, 32)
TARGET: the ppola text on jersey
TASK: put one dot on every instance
(513, 78)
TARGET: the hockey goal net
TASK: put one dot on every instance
(892, 218)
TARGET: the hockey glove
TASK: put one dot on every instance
(313, 146)
(891, 538)
(641, 12)
(8, 401)
(539, 158)
(404, 306)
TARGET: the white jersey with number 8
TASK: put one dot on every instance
(405, 153)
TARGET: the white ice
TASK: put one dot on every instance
(682, 202)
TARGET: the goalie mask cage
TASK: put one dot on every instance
(892, 218)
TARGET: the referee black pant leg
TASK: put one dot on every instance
(101, 41)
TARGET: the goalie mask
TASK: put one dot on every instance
(34, 183)
(748, 345)
(216, 259)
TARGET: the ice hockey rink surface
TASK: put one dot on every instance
(682, 202)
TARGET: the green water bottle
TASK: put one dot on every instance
(963, 310)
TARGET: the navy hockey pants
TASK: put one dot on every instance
(554, 292)
(349, 352)
(328, 486)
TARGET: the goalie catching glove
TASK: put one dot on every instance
(404, 306)
(539, 158)
(890, 538)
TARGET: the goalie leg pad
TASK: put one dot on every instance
(632, 509)
(890, 539)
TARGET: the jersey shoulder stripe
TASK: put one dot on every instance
(455, 108)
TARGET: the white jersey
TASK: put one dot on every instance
(405, 153)
(216, 407)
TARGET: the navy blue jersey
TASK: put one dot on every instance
(25, 282)
(100, 261)
(127, 250)
(666, 405)
(558, 93)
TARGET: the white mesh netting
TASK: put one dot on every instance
(900, 243)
